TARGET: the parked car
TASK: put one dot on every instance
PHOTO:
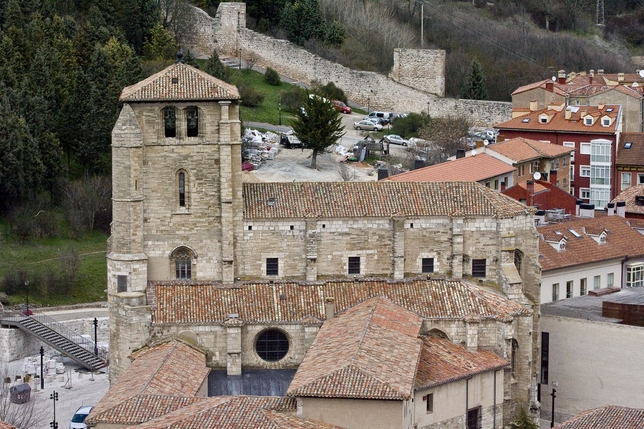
(289, 141)
(378, 121)
(341, 107)
(386, 117)
(396, 139)
(367, 125)
(78, 421)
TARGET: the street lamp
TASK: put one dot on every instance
(240, 58)
(27, 312)
(368, 100)
(422, 18)
(42, 378)
(279, 106)
(428, 108)
(96, 336)
(554, 395)
(54, 397)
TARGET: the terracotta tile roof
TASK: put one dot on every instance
(376, 199)
(141, 408)
(540, 84)
(628, 196)
(4, 425)
(470, 168)
(539, 185)
(442, 361)
(191, 85)
(358, 354)
(609, 417)
(635, 154)
(520, 149)
(621, 241)
(558, 122)
(637, 92)
(238, 412)
(171, 368)
(289, 302)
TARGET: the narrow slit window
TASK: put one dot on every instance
(192, 121)
(182, 189)
(121, 284)
(428, 265)
(354, 264)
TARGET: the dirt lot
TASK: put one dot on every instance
(291, 165)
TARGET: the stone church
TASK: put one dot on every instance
(249, 272)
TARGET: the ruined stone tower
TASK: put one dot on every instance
(176, 193)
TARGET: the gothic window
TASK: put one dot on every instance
(170, 121)
(192, 121)
(518, 259)
(182, 259)
(272, 345)
(513, 361)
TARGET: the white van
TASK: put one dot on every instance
(386, 117)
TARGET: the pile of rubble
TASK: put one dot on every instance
(257, 147)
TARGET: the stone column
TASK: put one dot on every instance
(472, 327)
(233, 346)
(226, 191)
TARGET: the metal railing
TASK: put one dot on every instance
(50, 323)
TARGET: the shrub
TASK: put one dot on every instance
(410, 124)
(250, 97)
(271, 77)
(33, 219)
(293, 98)
(329, 91)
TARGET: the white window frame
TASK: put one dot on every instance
(585, 168)
(572, 172)
(584, 193)
(610, 279)
(606, 122)
(588, 120)
(555, 292)
(640, 179)
(597, 282)
(572, 154)
(585, 148)
(599, 175)
(635, 275)
(626, 183)
(600, 152)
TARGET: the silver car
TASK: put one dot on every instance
(367, 125)
(396, 139)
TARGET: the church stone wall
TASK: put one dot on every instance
(405, 91)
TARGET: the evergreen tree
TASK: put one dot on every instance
(215, 68)
(190, 59)
(161, 45)
(475, 88)
(318, 125)
(302, 21)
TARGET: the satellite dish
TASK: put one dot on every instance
(554, 79)
(485, 142)
(536, 175)
(641, 73)
(635, 84)
(473, 152)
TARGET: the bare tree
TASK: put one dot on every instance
(445, 135)
(251, 59)
(29, 415)
(177, 18)
(346, 173)
(85, 198)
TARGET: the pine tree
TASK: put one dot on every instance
(215, 68)
(475, 88)
(317, 125)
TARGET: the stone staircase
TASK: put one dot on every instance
(57, 336)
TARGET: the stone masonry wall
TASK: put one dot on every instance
(227, 34)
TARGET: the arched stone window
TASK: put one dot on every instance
(518, 259)
(182, 190)
(170, 121)
(435, 332)
(182, 258)
(192, 121)
(513, 357)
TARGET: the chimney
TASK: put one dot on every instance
(530, 190)
(590, 79)
(540, 216)
(611, 209)
(601, 106)
(621, 208)
(460, 153)
(550, 86)
(561, 74)
(329, 307)
(592, 73)
(479, 144)
(383, 172)
(419, 163)
(587, 210)
(578, 204)
(533, 105)
(553, 177)
(567, 114)
(620, 77)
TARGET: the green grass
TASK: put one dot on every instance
(37, 256)
(268, 110)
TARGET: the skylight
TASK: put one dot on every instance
(628, 145)
(575, 233)
(610, 109)
(526, 120)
